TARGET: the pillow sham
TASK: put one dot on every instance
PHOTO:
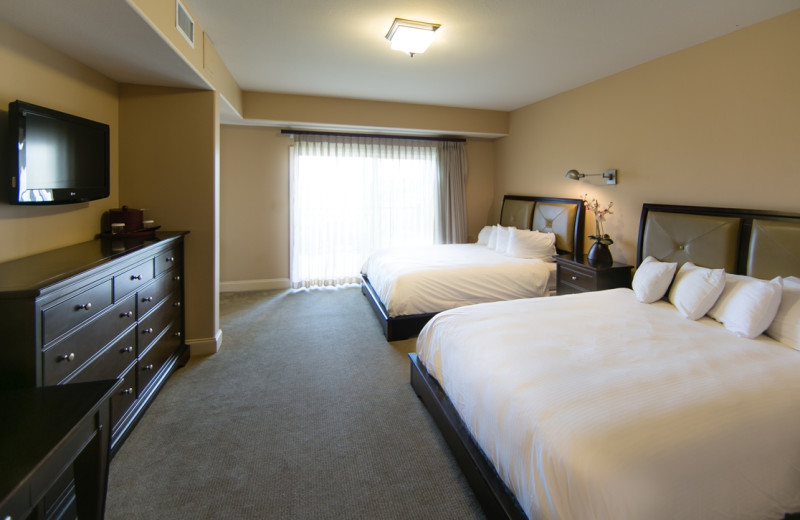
(483, 236)
(502, 239)
(747, 305)
(523, 243)
(492, 238)
(786, 325)
(696, 289)
(652, 278)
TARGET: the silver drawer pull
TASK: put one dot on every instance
(148, 367)
(176, 278)
(126, 349)
(170, 259)
(177, 334)
(127, 391)
(147, 299)
(126, 314)
(67, 357)
(136, 277)
(176, 304)
(84, 307)
(148, 330)
(574, 277)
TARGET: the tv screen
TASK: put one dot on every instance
(56, 158)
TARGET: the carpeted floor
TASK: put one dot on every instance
(306, 412)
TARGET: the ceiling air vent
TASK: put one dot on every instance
(184, 22)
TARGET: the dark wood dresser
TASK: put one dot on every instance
(576, 275)
(103, 309)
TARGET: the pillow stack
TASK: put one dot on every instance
(519, 243)
(746, 306)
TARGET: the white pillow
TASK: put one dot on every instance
(652, 279)
(696, 289)
(523, 243)
(492, 238)
(786, 325)
(483, 236)
(502, 239)
(747, 305)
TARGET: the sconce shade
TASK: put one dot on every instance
(411, 37)
(575, 175)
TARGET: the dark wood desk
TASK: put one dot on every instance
(44, 432)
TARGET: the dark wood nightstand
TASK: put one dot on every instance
(575, 275)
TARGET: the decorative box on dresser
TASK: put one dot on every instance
(98, 310)
(574, 274)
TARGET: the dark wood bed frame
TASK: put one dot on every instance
(497, 501)
(407, 326)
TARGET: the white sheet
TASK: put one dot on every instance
(597, 406)
(427, 279)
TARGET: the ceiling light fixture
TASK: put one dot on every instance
(411, 37)
(610, 175)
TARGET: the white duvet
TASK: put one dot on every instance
(596, 406)
(429, 279)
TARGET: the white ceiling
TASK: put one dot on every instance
(490, 54)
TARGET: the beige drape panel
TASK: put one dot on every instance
(451, 221)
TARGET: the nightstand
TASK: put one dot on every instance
(575, 275)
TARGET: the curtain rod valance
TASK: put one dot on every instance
(378, 136)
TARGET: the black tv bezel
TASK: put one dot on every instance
(72, 195)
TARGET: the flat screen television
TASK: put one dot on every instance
(56, 158)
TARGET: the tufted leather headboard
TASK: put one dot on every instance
(757, 243)
(563, 217)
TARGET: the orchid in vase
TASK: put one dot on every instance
(593, 206)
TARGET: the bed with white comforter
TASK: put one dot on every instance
(598, 406)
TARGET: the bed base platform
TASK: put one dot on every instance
(495, 498)
(394, 328)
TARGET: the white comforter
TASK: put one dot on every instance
(596, 406)
(428, 279)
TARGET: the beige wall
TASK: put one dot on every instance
(169, 142)
(255, 204)
(716, 124)
(38, 74)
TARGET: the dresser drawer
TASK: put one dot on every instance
(577, 278)
(71, 353)
(155, 322)
(167, 260)
(154, 358)
(63, 316)
(132, 279)
(112, 362)
(124, 397)
(149, 296)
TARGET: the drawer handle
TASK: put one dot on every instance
(127, 391)
(148, 330)
(574, 277)
(136, 277)
(177, 334)
(84, 307)
(67, 357)
(148, 367)
(170, 259)
(147, 299)
(126, 314)
(126, 349)
(176, 304)
(176, 278)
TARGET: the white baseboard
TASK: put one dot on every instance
(254, 285)
(205, 346)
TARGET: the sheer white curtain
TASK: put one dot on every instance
(350, 195)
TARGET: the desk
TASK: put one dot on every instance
(44, 432)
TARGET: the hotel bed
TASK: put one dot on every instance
(407, 286)
(623, 403)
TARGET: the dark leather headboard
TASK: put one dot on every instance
(563, 217)
(757, 243)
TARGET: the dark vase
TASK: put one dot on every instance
(600, 255)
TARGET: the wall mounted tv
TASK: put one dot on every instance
(56, 158)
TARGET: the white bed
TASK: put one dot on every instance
(631, 413)
(678, 398)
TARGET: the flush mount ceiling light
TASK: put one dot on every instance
(411, 37)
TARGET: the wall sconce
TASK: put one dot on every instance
(411, 37)
(609, 175)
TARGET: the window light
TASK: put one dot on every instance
(411, 37)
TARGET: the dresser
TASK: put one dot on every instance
(574, 274)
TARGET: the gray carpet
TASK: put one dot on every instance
(306, 412)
